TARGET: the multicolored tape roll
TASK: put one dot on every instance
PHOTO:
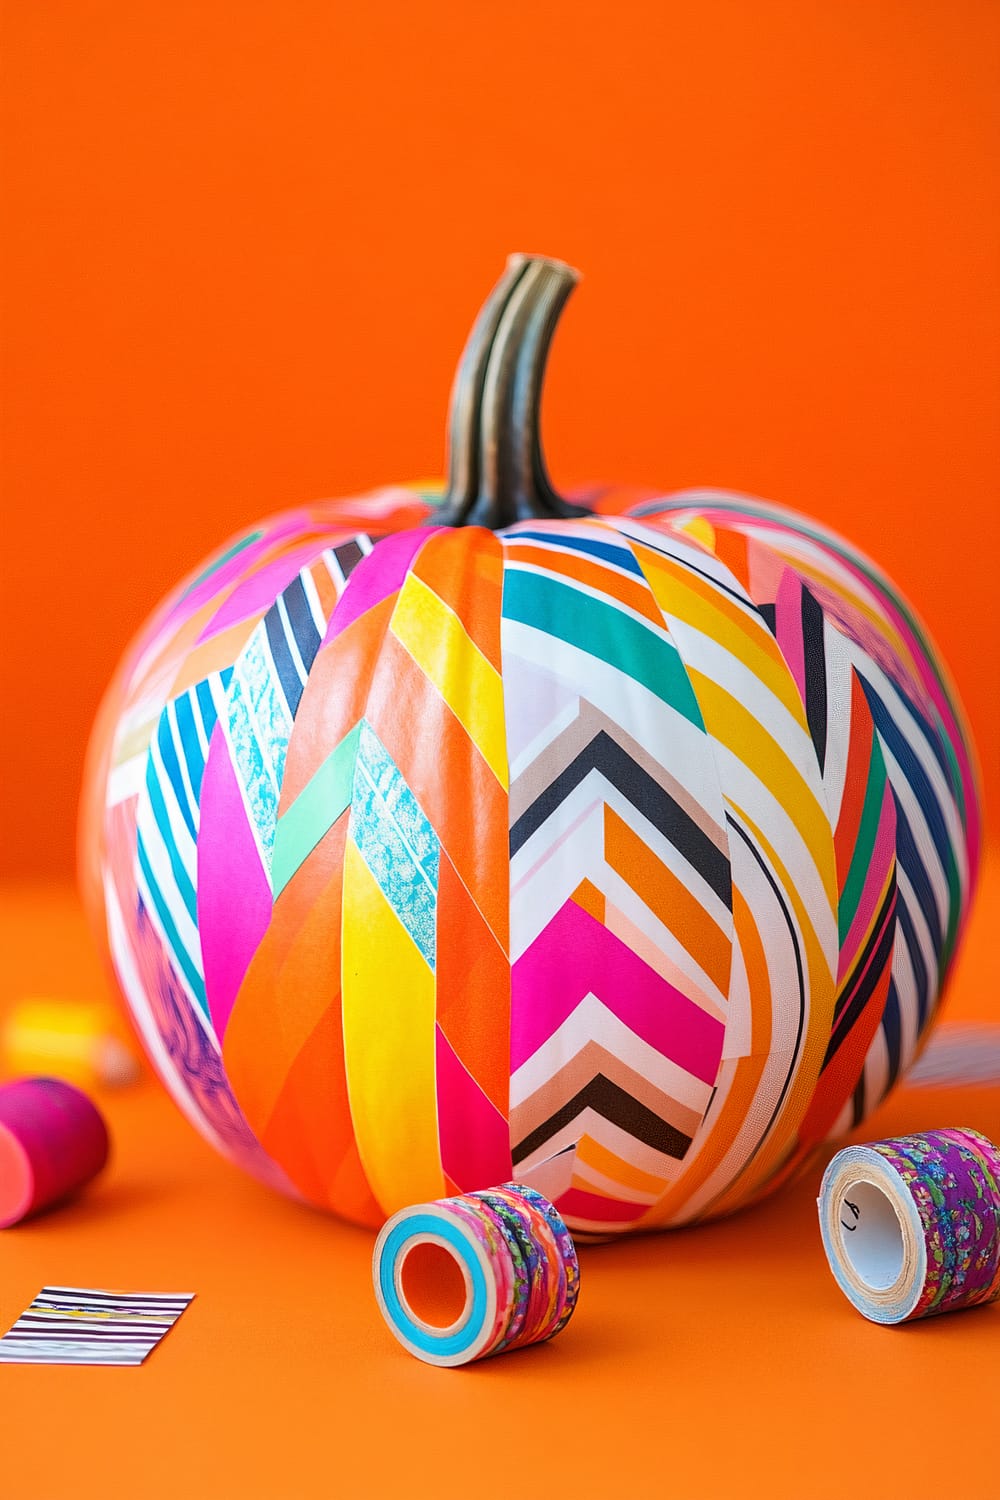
(463, 1278)
(911, 1226)
(53, 1140)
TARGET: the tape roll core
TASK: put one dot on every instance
(434, 1285)
(872, 1235)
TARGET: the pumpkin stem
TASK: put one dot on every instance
(496, 471)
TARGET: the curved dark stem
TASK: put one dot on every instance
(497, 473)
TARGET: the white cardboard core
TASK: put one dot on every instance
(871, 1235)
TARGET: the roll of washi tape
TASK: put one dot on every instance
(463, 1278)
(911, 1226)
(53, 1140)
(82, 1041)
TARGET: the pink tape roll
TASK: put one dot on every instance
(53, 1140)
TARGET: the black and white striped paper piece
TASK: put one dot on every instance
(71, 1325)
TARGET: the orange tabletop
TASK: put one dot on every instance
(720, 1361)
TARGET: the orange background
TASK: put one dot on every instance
(244, 243)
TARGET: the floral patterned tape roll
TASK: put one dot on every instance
(463, 1278)
(911, 1226)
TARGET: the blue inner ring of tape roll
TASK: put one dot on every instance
(422, 1338)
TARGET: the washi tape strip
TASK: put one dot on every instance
(911, 1226)
(71, 1325)
(463, 1278)
(53, 1140)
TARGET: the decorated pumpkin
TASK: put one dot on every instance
(443, 838)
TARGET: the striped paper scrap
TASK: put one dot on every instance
(70, 1325)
